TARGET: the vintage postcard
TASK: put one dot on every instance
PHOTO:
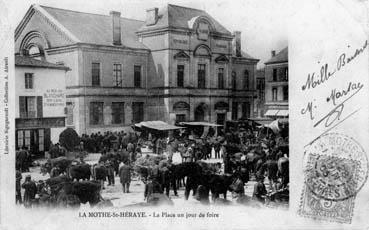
(184, 114)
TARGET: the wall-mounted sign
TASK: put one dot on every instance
(180, 41)
(220, 45)
(54, 97)
(203, 31)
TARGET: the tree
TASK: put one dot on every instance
(69, 139)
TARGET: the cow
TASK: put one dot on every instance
(85, 191)
(219, 184)
(62, 162)
(193, 172)
(79, 172)
(99, 173)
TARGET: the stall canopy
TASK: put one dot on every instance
(157, 125)
(199, 123)
(277, 112)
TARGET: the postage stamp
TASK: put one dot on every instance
(336, 168)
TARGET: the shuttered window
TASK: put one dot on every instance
(96, 113)
(28, 80)
(117, 109)
(201, 76)
(137, 112)
(221, 78)
(39, 106)
(117, 74)
(180, 75)
(95, 74)
(137, 76)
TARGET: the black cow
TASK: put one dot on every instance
(193, 172)
(86, 191)
(219, 184)
(79, 172)
(62, 162)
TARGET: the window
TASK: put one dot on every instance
(285, 93)
(28, 78)
(286, 74)
(137, 112)
(201, 76)
(95, 74)
(180, 75)
(117, 109)
(20, 138)
(180, 117)
(96, 113)
(274, 74)
(246, 80)
(246, 110)
(234, 110)
(69, 113)
(30, 107)
(117, 75)
(234, 80)
(27, 138)
(41, 137)
(275, 93)
(137, 76)
(221, 78)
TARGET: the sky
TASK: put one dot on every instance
(263, 23)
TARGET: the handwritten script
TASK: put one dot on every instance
(337, 98)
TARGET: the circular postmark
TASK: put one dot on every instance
(336, 167)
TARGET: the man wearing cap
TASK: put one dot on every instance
(30, 191)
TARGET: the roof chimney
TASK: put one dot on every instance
(115, 21)
(273, 53)
(151, 16)
(237, 43)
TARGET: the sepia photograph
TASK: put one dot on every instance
(162, 108)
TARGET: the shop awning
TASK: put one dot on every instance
(158, 125)
(261, 121)
(271, 112)
(282, 113)
(277, 112)
(199, 123)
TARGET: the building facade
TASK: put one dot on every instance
(276, 85)
(40, 96)
(178, 65)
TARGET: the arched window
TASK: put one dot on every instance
(234, 80)
(246, 80)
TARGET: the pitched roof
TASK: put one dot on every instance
(31, 62)
(246, 55)
(96, 28)
(179, 17)
(282, 56)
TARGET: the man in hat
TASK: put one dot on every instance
(260, 192)
(18, 194)
(30, 191)
(125, 176)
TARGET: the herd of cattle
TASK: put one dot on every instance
(79, 182)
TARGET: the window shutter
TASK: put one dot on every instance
(22, 107)
(39, 106)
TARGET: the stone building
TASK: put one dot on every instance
(276, 85)
(40, 96)
(179, 64)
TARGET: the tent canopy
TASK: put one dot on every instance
(157, 125)
(199, 123)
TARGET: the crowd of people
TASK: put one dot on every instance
(241, 155)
